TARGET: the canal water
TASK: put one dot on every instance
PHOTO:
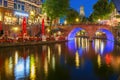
(73, 60)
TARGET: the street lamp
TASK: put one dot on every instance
(32, 13)
(32, 16)
(48, 30)
(77, 19)
(99, 21)
(65, 22)
(15, 29)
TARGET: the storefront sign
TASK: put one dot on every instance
(21, 14)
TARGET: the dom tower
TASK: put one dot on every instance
(82, 13)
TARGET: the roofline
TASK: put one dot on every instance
(36, 5)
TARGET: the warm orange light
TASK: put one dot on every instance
(65, 22)
(108, 59)
(32, 13)
(77, 20)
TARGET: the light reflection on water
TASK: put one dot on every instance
(74, 60)
(103, 47)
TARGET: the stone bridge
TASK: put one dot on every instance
(91, 29)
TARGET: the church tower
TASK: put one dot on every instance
(82, 13)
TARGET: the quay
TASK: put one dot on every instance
(14, 44)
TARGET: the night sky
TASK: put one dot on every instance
(88, 4)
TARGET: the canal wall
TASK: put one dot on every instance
(29, 43)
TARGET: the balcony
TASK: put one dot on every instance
(34, 3)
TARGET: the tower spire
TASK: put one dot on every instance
(82, 13)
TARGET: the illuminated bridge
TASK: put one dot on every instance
(90, 29)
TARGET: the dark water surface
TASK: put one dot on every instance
(73, 60)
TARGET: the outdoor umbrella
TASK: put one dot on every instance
(24, 26)
(0, 25)
(1, 30)
(43, 27)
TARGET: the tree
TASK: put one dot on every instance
(84, 20)
(102, 9)
(55, 8)
(71, 16)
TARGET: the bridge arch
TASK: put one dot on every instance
(73, 33)
(108, 33)
(91, 33)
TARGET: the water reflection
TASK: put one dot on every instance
(74, 60)
(21, 69)
(46, 67)
(16, 57)
(8, 66)
(77, 60)
(80, 44)
(103, 46)
(99, 60)
(49, 53)
(32, 68)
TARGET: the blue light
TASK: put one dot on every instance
(71, 46)
(21, 14)
(104, 48)
(22, 68)
(109, 46)
(109, 35)
(80, 51)
(73, 33)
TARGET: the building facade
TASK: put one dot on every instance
(12, 13)
(117, 4)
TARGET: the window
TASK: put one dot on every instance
(15, 6)
(23, 7)
(0, 2)
(5, 3)
(18, 6)
(15, 0)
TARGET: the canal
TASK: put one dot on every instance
(73, 60)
